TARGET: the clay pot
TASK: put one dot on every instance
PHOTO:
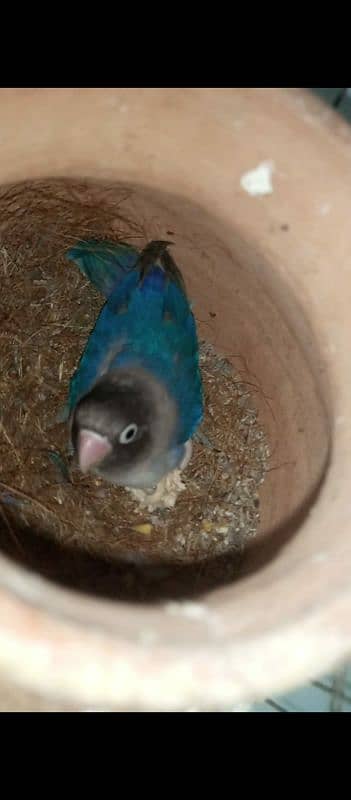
(277, 269)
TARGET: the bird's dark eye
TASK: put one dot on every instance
(128, 434)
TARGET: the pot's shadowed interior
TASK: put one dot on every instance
(255, 320)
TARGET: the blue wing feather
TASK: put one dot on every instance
(104, 263)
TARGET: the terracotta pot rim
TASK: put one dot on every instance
(103, 651)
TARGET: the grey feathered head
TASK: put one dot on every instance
(124, 427)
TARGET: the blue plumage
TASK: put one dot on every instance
(146, 322)
(104, 263)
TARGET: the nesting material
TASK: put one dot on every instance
(165, 494)
(48, 310)
(167, 490)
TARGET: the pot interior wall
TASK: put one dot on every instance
(253, 319)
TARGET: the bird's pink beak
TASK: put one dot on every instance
(92, 448)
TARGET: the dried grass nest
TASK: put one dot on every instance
(75, 528)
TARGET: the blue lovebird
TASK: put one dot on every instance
(136, 398)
